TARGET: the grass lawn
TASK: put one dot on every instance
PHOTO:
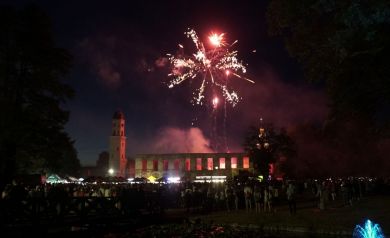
(335, 218)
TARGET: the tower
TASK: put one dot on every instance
(117, 161)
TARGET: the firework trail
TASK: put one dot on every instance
(210, 64)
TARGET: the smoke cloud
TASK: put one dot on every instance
(175, 140)
(101, 62)
(161, 62)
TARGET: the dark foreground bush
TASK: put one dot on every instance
(195, 229)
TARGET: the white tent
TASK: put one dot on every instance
(54, 178)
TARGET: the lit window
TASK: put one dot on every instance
(155, 165)
(199, 164)
(165, 165)
(209, 163)
(144, 165)
(222, 163)
(233, 162)
(188, 164)
(245, 162)
(271, 168)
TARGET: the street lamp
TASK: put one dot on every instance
(111, 172)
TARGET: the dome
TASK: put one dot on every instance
(118, 115)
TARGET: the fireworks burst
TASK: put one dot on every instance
(213, 64)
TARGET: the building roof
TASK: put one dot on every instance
(190, 155)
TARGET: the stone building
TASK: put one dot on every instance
(189, 165)
(117, 150)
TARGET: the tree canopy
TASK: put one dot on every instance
(32, 95)
(344, 44)
(269, 146)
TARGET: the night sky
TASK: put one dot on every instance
(118, 47)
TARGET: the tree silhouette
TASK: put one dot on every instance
(32, 93)
(344, 45)
(265, 145)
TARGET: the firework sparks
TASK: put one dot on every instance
(217, 40)
(213, 64)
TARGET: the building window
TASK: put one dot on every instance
(188, 164)
(199, 164)
(176, 164)
(209, 163)
(165, 165)
(144, 165)
(221, 163)
(121, 133)
(245, 162)
(233, 162)
(271, 168)
(155, 165)
(132, 168)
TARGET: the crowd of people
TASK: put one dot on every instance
(233, 195)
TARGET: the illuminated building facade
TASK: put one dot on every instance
(189, 165)
(117, 150)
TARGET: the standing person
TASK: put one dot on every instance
(210, 199)
(248, 197)
(275, 198)
(222, 199)
(321, 195)
(216, 199)
(333, 190)
(267, 200)
(291, 199)
(236, 199)
(257, 198)
(188, 199)
(229, 197)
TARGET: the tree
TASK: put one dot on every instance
(32, 93)
(344, 44)
(265, 146)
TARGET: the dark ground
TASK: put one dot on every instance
(335, 217)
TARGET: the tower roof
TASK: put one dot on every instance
(118, 115)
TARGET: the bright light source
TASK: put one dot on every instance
(174, 179)
(216, 40)
(266, 145)
(111, 171)
(151, 178)
(215, 102)
(81, 179)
